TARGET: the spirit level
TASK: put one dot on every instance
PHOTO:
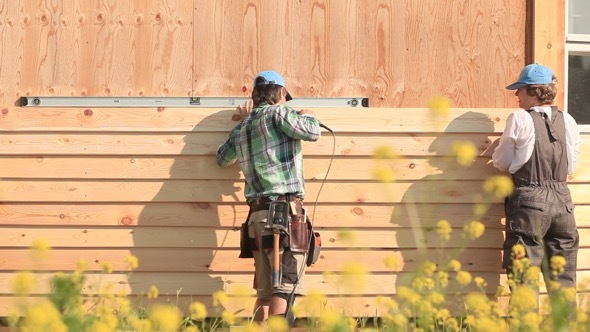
(180, 102)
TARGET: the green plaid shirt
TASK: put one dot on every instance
(267, 145)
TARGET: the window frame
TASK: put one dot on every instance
(575, 44)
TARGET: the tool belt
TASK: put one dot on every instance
(287, 216)
(263, 203)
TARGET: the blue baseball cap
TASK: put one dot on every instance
(532, 74)
(271, 77)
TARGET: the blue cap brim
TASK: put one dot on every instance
(515, 86)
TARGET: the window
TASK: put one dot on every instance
(578, 60)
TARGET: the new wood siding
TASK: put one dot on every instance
(100, 184)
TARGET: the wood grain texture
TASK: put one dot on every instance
(215, 120)
(394, 52)
(100, 184)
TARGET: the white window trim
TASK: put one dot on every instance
(577, 38)
(575, 44)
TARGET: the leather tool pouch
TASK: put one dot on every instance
(299, 234)
(245, 242)
(245, 247)
(302, 236)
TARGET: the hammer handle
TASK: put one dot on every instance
(276, 264)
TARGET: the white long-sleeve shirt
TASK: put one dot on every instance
(518, 141)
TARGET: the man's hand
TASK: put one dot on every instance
(306, 111)
(246, 109)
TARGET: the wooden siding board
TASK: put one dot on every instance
(231, 215)
(227, 261)
(142, 144)
(200, 168)
(198, 120)
(433, 191)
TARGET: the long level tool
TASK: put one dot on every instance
(53, 101)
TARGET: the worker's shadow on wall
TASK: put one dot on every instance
(451, 193)
(179, 232)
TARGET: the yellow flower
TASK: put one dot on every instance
(443, 229)
(465, 152)
(473, 230)
(443, 278)
(469, 320)
(499, 185)
(532, 274)
(165, 317)
(452, 324)
(40, 249)
(153, 292)
(354, 274)
(383, 173)
(478, 304)
(23, 283)
(557, 264)
(427, 268)
(442, 315)
(418, 284)
(532, 321)
(249, 326)
(480, 282)
(132, 262)
(454, 265)
(144, 325)
(392, 262)
(106, 291)
(518, 251)
(219, 298)
(331, 320)
(198, 311)
(347, 236)
(277, 324)
(439, 105)
(81, 266)
(384, 152)
(436, 298)
(553, 285)
(124, 306)
(43, 316)
(107, 267)
(228, 317)
(523, 299)
(463, 278)
(569, 294)
(397, 320)
(487, 324)
(386, 302)
(409, 295)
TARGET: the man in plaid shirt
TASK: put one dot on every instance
(267, 145)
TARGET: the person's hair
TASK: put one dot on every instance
(546, 93)
(266, 93)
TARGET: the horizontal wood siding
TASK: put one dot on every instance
(100, 184)
(152, 189)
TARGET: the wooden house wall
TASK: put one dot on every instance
(100, 184)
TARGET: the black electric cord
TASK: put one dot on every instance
(291, 298)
